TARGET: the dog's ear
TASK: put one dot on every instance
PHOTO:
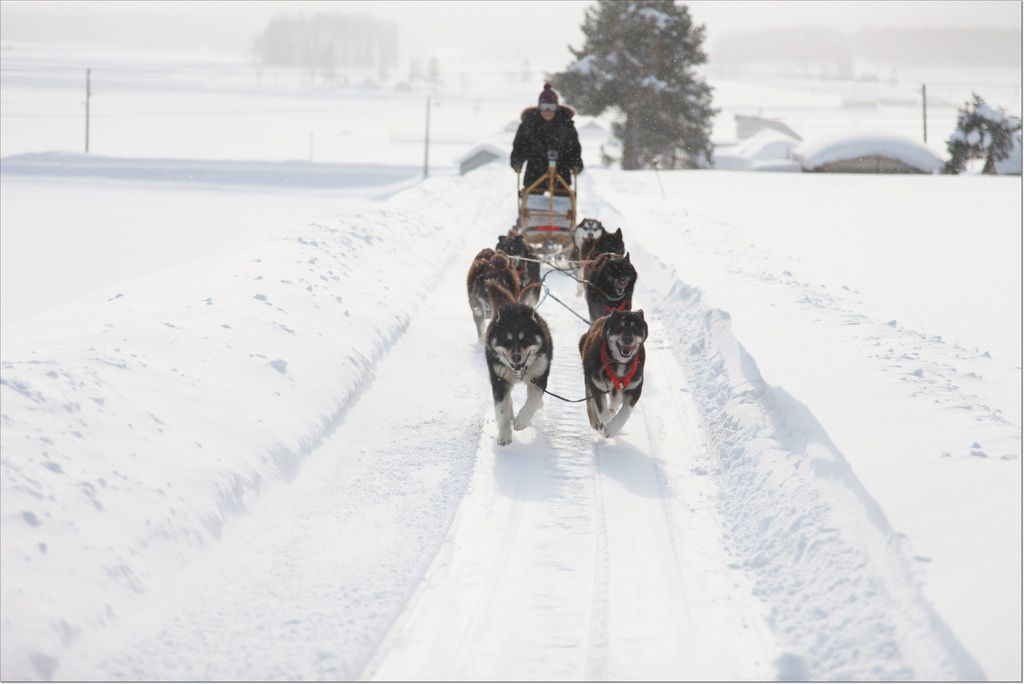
(618, 232)
(627, 255)
(640, 312)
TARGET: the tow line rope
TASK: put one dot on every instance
(547, 293)
(570, 401)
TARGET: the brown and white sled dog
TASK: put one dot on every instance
(610, 282)
(518, 349)
(524, 260)
(613, 368)
(491, 282)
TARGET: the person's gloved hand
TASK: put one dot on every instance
(517, 166)
(577, 170)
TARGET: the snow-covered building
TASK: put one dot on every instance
(479, 156)
(867, 153)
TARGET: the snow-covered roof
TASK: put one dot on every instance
(747, 125)
(819, 152)
(765, 145)
(485, 147)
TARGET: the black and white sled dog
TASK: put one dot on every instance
(613, 368)
(525, 261)
(610, 282)
(518, 349)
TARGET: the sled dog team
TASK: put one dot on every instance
(504, 288)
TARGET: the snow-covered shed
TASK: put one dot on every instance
(479, 156)
(867, 153)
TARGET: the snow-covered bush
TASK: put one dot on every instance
(981, 133)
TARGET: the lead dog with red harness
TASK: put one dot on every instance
(613, 368)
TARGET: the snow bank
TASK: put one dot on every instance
(835, 576)
(816, 153)
(135, 425)
(288, 174)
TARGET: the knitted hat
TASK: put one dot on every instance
(548, 95)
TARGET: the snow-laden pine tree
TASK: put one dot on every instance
(640, 57)
(981, 133)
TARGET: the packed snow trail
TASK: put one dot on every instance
(572, 557)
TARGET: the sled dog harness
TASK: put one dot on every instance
(617, 381)
(620, 307)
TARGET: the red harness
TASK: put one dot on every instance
(620, 307)
(618, 382)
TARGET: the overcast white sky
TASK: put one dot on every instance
(539, 30)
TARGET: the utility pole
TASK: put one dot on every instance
(924, 110)
(426, 143)
(88, 94)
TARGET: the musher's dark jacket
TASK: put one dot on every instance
(536, 136)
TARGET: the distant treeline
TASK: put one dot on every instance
(325, 42)
(835, 51)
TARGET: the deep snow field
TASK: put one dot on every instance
(247, 431)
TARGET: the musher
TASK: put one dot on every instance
(548, 126)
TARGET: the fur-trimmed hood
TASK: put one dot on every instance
(532, 114)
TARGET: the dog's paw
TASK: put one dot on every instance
(504, 440)
(520, 424)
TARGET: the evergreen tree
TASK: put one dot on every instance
(981, 133)
(640, 57)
